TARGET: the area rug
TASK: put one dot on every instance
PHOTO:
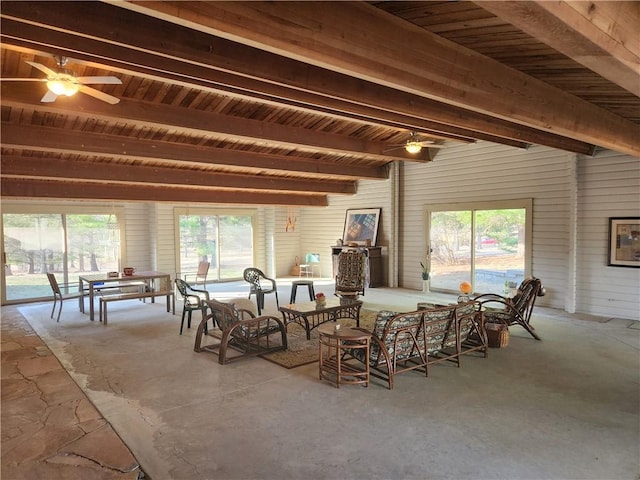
(301, 351)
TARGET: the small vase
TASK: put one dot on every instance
(425, 286)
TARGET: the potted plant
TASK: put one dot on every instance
(425, 272)
(426, 276)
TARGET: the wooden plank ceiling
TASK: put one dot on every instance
(284, 103)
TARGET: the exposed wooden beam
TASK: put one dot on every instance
(77, 142)
(231, 128)
(203, 60)
(37, 188)
(111, 172)
(412, 60)
(602, 36)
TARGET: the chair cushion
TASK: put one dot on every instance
(466, 313)
(439, 328)
(381, 321)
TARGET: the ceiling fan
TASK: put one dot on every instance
(415, 145)
(65, 83)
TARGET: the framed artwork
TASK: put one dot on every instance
(624, 241)
(361, 226)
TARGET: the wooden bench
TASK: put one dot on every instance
(136, 296)
(110, 289)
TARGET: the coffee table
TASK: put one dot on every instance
(335, 348)
(309, 315)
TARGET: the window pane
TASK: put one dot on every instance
(451, 245)
(198, 238)
(33, 245)
(499, 250)
(94, 244)
(236, 246)
(225, 241)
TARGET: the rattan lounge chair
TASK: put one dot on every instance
(516, 310)
(397, 345)
(239, 329)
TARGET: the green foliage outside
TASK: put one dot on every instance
(451, 232)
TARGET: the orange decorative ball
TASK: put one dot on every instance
(465, 287)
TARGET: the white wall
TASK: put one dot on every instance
(609, 186)
(486, 172)
(573, 198)
(322, 227)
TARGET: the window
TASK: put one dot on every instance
(486, 244)
(65, 244)
(224, 239)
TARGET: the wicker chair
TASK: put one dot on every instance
(397, 345)
(351, 275)
(516, 310)
(260, 285)
(240, 330)
(192, 300)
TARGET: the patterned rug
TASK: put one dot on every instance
(301, 351)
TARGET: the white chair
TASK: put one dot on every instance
(311, 262)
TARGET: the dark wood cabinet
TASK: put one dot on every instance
(375, 270)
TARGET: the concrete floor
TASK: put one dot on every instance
(563, 408)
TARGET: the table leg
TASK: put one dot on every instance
(338, 363)
(81, 288)
(91, 310)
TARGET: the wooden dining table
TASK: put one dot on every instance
(90, 283)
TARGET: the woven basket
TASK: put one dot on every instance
(497, 335)
(295, 270)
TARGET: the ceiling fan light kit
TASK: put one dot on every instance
(413, 147)
(63, 85)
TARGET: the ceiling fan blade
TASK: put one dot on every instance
(23, 79)
(105, 97)
(42, 68)
(49, 97)
(394, 147)
(100, 80)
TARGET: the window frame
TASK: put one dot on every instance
(522, 203)
(211, 212)
(57, 209)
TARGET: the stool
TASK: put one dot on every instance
(297, 283)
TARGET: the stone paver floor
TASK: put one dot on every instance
(49, 427)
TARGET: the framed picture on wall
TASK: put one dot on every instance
(361, 226)
(624, 241)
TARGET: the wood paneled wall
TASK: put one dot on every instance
(573, 198)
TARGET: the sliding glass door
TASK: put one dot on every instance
(65, 244)
(223, 240)
(487, 247)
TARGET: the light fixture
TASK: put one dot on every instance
(413, 146)
(63, 84)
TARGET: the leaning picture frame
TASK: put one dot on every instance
(624, 242)
(361, 226)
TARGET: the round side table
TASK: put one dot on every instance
(335, 347)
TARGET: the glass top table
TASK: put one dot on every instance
(310, 315)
